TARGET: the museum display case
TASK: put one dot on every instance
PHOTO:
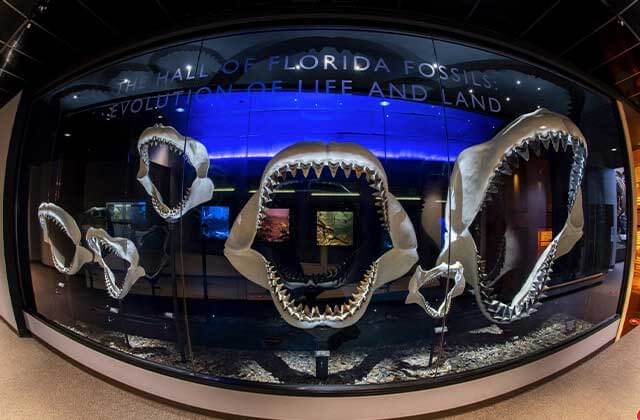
(323, 210)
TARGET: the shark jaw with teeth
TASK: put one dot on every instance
(102, 244)
(477, 182)
(347, 160)
(192, 152)
(63, 236)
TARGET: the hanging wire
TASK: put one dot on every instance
(447, 208)
(182, 276)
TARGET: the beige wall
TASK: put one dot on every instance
(7, 116)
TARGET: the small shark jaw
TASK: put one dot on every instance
(194, 154)
(475, 181)
(422, 278)
(352, 160)
(101, 243)
(51, 217)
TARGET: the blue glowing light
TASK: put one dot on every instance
(240, 125)
(180, 109)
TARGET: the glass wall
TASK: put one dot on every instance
(313, 207)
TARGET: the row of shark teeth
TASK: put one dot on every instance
(44, 218)
(170, 212)
(105, 248)
(503, 313)
(295, 279)
(492, 276)
(374, 180)
(538, 143)
(304, 313)
(155, 141)
(499, 311)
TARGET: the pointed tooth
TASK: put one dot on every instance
(492, 188)
(359, 169)
(555, 141)
(505, 168)
(369, 174)
(327, 310)
(523, 151)
(347, 170)
(305, 170)
(535, 146)
(307, 311)
(513, 159)
(333, 168)
(317, 168)
(315, 312)
(293, 169)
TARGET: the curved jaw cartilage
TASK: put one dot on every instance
(105, 248)
(294, 292)
(479, 199)
(426, 278)
(192, 152)
(63, 235)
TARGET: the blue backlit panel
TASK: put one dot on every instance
(258, 125)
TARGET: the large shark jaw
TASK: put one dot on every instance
(101, 243)
(475, 181)
(352, 160)
(62, 234)
(194, 154)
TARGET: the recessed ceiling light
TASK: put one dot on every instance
(67, 134)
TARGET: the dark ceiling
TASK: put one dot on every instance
(40, 40)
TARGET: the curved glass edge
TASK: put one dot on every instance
(323, 390)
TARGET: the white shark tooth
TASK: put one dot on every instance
(333, 168)
(346, 168)
(305, 169)
(317, 168)
(327, 310)
(369, 173)
(358, 169)
(315, 312)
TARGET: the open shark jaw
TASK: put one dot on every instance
(119, 260)
(63, 235)
(186, 155)
(558, 147)
(329, 163)
(296, 291)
